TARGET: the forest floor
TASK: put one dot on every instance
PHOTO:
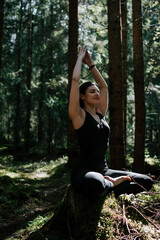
(29, 193)
(31, 190)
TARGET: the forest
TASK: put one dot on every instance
(39, 42)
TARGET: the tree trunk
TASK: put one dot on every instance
(28, 82)
(41, 80)
(138, 87)
(115, 86)
(123, 4)
(72, 49)
(18, 86)
(1, 40)
(1, 33)
(50, 93)
(76, 218)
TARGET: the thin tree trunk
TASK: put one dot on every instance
(73, 50)
(28, 81)
(1, 32)
(18, 86)
(138, 87)
(41, 80)
(1, 40)
(50, 110)
(115, 86)
(123, 4)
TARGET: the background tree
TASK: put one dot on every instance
(28, 79)
(123, 21)
(50, 52)
(138, 87)
(18, 85)
(41, 90)
(72, 56)
(115, 86)
(1, 41)
(49, 88)
(151, 35)
(1, 32)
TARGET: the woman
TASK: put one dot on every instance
(87, 108)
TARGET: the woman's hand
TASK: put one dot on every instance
(87, 59)
(116, 181)
(82, 53)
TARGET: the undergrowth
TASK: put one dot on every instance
(31, 191)
(131, 217)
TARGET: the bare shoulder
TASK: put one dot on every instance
(78, 119)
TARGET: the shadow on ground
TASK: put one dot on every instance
(23, 198)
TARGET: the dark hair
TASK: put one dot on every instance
(82, 90)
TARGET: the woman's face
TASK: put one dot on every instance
(92, 95)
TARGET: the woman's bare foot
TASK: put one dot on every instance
(116, 181)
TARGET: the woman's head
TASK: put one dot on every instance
(82, 90)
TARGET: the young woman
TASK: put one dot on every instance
(87, 108)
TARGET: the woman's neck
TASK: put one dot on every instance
(91, 110)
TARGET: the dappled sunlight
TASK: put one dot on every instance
(33, 175)
(32, 170)
(29, 194)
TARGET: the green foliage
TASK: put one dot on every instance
(48, 91)
(49, 76)
(38, 222)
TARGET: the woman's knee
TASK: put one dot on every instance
(96, 183)
(143, 180)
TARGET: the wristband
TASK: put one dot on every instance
(91, 67)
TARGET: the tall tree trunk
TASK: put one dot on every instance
(1, 40)
(50, 109)
(18, 86)
(41, 87)
(72, 49)
(138, 87)
(123, 10)
(28, 81)
(115, 86)
(1, 33)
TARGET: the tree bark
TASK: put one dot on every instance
(28, 81)
(18, 85)
(50, 75)
(138, 87)
(72, 57)
(115, 86)
(123, 10)
(1, 40)
(1, 32)
(76, 218)
(41, 81)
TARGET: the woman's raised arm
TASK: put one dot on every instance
(75, 112)
(103, 104)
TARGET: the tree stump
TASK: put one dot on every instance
(76, 218)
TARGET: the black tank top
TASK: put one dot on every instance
(93, 138)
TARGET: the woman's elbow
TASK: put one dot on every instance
(75, 78)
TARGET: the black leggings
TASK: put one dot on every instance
(93, 183)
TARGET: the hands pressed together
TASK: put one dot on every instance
(85, 56)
